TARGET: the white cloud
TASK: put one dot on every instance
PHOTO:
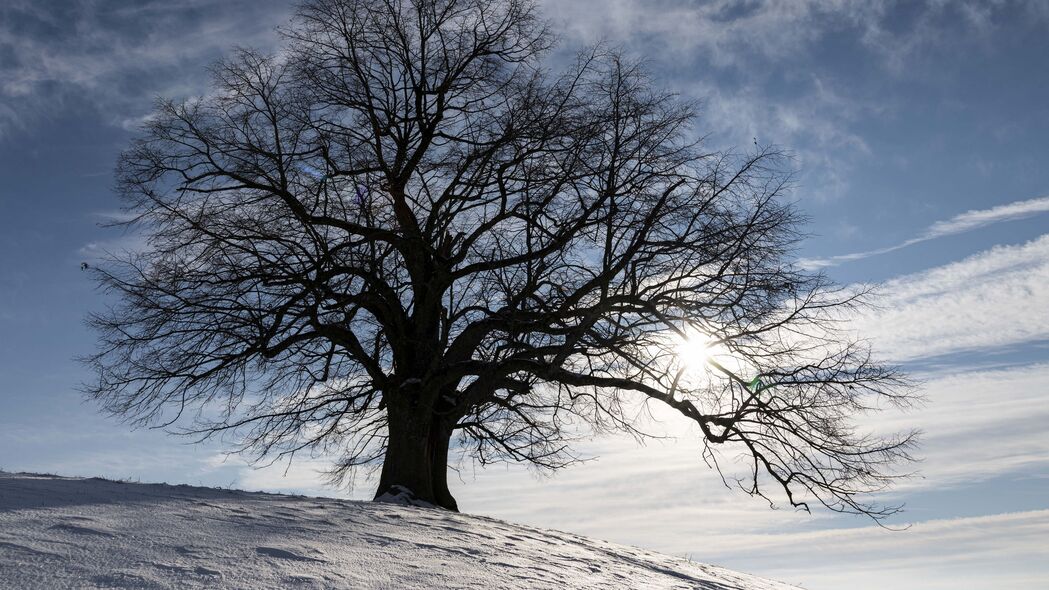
(662, 494)
(963, 222)
(115, 59)
(723, 30)
(101, 250)
(303, 475)
(978, 425)
(1002, 551)
(760, 42)
(981, 217)
(814, 126)
(901, 541)
(732, 33)
(992, 299)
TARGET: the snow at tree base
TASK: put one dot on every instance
(58, 532)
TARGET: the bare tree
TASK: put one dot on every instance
(404, 232)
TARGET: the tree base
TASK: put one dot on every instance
(404, 497)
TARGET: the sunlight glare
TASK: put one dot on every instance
(694, 351)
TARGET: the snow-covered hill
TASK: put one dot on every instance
(58, 532)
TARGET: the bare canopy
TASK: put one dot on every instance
(404, 235)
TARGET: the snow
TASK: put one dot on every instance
(60, 532)
(403, 496)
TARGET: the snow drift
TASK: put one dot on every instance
(58, 532)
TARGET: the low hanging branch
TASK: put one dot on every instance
(404, 231)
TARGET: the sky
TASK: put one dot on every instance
(920, 132)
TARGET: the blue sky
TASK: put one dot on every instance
(916, 124)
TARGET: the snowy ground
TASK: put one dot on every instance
(58, 532)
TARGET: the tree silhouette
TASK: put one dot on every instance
(405, 231)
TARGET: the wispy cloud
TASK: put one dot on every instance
(1001, 551)
(302, 475)
(100, 250)
(960, 223)
(733, 56)
(981, 217)
(979, 423)
(815, 125)
(990, 300)
(723, 31)
(113, 58)
(729, 33)
(978, 426)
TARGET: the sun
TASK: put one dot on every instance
(694, 350)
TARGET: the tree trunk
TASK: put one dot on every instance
(439, 470)
(416, 460)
